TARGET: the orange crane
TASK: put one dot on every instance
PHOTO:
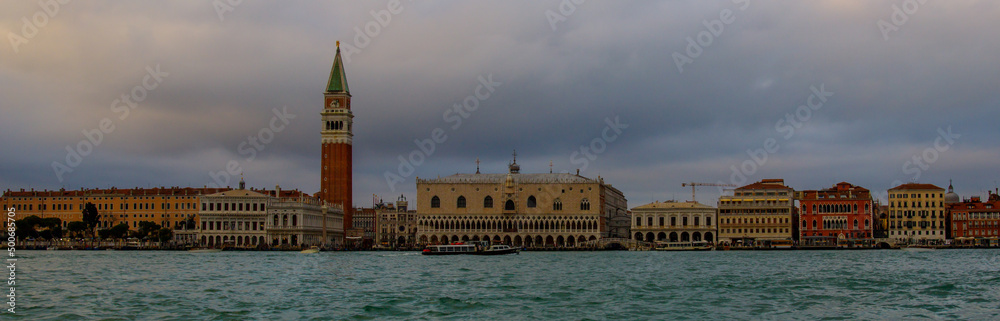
(693, 185)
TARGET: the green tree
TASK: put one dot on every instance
(146, 228)
(164, 235)
(119, 231)
(104, 233)
(90, 216)
(77, 227)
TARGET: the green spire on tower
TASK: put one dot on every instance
(338, 79)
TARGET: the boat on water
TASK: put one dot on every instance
(203, 250)
(311, 249)
(473, 248)
(683, 246)
(51, 248)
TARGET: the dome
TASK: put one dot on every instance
(951, 196)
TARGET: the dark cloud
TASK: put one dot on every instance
(604, 61)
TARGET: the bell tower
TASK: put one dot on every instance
(336, 137)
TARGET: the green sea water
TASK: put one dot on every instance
(802, 285)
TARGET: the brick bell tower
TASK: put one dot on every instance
(336, 182)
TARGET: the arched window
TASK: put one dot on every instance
(295, 220)
(585, 205)
(276, 220)
(557, 205)
(461, 202)
(508, 206)
(531, 201)
(284, 220)
(435, 202)
(488, 202)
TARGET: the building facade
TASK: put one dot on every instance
(842, 212)
(531, 210)
(916, 213)
(169, 207)
(974, 219)
(243, 218)
(674, 222)
(336, 180)
(397, 224)
(757, 213)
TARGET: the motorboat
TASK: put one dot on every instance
(311, 249)
(473, 248)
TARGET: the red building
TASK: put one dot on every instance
(975, 219)
(841, 212)
(337, 136)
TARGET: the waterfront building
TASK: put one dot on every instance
(881, 218)
(397, 224)
(365, 225)
(169, 207)
(258, 219)
(672, 221)
(533, 210)
(304, 221)
(916, 213)
(757, 213)
(840, 213)
(975, 220)
(336, 180)
(233, 218)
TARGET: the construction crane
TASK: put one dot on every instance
(693, 185)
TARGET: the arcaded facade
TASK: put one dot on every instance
(532, 210)
(674, 222)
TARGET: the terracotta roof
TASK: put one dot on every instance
(916, 186)
(759, 185)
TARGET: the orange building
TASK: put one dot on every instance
(167, 207)
(974, 218)
(337, 152)
(843, 211)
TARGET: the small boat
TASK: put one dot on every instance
(476, 248)
(683, 246)
(203, 250)
(311, 249)
(51, 248)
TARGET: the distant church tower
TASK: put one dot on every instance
(336, 183)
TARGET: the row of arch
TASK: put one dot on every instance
(532, 202)
(674, 237)
(516, 240)
(239, 240)
(838, 224)
(837, 208)
(284, 220)
(568, 225)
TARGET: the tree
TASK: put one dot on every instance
(165, 234)
(146, 228)
(104, 233)
(77, 227)
(119, 231)
(90, 216)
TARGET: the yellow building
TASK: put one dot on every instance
(532, 210)
(757, 213)
(916, 213)
(674, 222)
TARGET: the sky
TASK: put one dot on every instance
(646, 95)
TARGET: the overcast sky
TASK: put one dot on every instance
(921, 83)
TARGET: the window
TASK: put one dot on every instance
(435, 202)
(488, 202)
(673, 221)
(532, 202)
(585, 205)
(460, 203)
(509, 205)
(638, 221)
(557, 205)
(649, 221)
